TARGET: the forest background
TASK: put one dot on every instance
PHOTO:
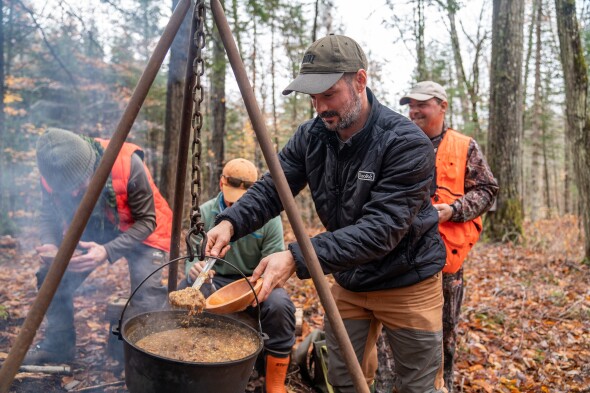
(74, 66)
(516, 74)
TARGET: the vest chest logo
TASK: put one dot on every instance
(367, 176)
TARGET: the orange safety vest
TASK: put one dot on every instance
(160, 237)
(451, 160)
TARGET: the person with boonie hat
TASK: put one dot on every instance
(277, 312)
(369, 171)
(464, 190)
(130, 220)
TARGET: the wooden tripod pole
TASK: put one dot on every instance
(287, 199)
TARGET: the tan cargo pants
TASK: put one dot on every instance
(412, 319)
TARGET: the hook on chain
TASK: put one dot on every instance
(199, 229)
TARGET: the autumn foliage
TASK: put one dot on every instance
(525, 324)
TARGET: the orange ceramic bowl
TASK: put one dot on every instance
(234, 297)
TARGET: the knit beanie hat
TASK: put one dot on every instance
(65, 160)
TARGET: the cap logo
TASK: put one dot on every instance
(308, 58)
(367, 176)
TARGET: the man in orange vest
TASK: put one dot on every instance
(131, 219)
(465, 189)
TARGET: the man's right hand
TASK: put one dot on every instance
(218, 239)
(445, 212)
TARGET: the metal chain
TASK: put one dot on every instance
(196, 225)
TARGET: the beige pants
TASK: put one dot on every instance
(412, 319)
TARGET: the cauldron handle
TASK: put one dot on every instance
(117, 332)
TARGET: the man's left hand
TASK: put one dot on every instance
(277, 268)
(196, 270)
(95, 255)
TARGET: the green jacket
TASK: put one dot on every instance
(246, 252)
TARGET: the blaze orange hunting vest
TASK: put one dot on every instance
(451, 160)
(160, 237)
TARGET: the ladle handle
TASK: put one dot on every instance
(204, 273)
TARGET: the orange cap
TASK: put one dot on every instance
(237, 168)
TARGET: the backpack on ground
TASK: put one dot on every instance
(312, 358)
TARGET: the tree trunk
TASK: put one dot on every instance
(550, 159)
(462, 84)
(422, 72)
(525, 121)
(2, 83)
(566, 176)
(3, 212)
(273, 76)
(314, 37)
(174, 97)
(237, 28)
(546, 190)
(473, 85)
(6, 225)
(258, 159)
(218, 109)
(536, 167)
(575, 74)
(505, 222)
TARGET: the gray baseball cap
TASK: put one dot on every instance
(423, 91)
(324, 63)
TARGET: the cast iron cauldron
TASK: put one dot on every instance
(146, 372)
(149, 373)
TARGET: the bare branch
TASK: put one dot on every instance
(397, 25)
(49, 46)
(73, 13)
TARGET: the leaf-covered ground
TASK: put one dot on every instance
(525, 325)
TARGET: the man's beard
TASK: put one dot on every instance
(350, 114)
